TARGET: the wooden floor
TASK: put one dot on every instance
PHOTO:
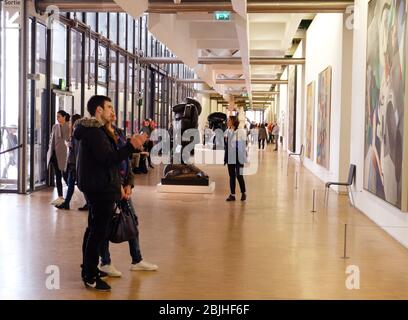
(271, 247)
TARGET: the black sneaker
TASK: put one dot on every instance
(62, 206)
(97, 284)
(243, 197)
(84, 208)
(230, 198)
(101, 274)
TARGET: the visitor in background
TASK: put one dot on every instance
(57, 152)
(275, 133)
(235, 156)
(270, 136)
(70, 168)
(262, 135)
(12, 143)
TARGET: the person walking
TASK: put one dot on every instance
(12, 145)
(57, 152)
(275, 133)
(270, 127)
(127, 180)
(148, 128)
(235, 157)
(99, 179)
(261, 136)
(70, 167)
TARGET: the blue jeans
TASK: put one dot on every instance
(134, 247)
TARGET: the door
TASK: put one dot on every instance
(37, 121)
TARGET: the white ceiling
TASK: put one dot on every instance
(193, 35)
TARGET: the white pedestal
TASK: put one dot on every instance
(164, 188)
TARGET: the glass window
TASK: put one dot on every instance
(103, 23)
(122, 30)
(143, 30)
(79, 16)
(41, 49)
(130, 44)
(112, 77)
(91, 20)
(149, 44)
(129, 114)
(93, 61)
(142, 96)
(59, 53)
(102, 90)
(113, 27)
(76, 67)
(102, 55)
(121, 96)
(9, 105)
(137, 33)
(102, 75)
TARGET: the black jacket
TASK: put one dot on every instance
(98, 161)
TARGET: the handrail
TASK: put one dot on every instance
(12, 149)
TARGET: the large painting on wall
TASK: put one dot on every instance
(310, 106)
(385, 99)
(323, 119)
(292, 108)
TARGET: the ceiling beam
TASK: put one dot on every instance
(226, 60)
(253, 81)
(292, 6)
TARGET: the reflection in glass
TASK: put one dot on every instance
(59, 56)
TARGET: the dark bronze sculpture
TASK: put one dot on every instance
(185, 116)
(217, 121)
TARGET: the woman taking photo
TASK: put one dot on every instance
(235, 156)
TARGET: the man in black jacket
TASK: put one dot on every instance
(99, 179)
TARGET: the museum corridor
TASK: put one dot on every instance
(271, 247)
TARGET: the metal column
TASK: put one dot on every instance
(22, 110)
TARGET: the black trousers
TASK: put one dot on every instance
(59, 175)
(261, 142)
(234, 171)
(99, 219)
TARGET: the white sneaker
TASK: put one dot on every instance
(58, 201)
(110, 270)
(143, 266)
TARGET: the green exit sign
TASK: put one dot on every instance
(222, 15)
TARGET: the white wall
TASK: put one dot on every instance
(282, 113)
(324, 48)
(376, 209)
(300, 96)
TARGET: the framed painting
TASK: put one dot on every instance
(292, 108)
(310, 107)
(323, 118)
(385, 100)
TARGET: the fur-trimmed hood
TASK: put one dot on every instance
(85, 124)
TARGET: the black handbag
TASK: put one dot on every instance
(124, 223)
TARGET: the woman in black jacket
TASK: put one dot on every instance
(235, 156)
